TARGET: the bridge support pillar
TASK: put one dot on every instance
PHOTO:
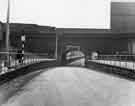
(59, 46)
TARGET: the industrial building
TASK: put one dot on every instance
(118, 39)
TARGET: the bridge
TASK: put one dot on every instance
(41, 80)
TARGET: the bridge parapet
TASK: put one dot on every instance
(18, 60)
(123, 65)
(123, 61)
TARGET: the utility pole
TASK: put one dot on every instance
(8, 36)
(56, 48)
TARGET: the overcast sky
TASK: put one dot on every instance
(123, 0)
(59, 13)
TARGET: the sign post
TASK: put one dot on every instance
(23, 38)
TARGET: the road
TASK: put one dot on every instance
(68, 86)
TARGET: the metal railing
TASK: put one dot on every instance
(18, 60)
(117, 57)
(123, 61)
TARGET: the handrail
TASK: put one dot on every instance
(124, 61)
(20, 60)
(117, 57)
(23, 53)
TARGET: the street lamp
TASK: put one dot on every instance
(8, 36)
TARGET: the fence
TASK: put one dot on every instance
(117, 57)
(124, 61)
(17, 60)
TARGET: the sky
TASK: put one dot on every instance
(123, 0)
(59, 13)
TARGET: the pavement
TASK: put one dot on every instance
(67, 86)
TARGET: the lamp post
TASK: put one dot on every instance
(8, 36)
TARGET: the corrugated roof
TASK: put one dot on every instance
(29, 28)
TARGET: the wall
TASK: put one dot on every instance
(123, 16)
(1, 35)
(123, 20)
(102, 45)
(2, 38)
(37, 44)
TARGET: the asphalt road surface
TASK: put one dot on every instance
(68, 86)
